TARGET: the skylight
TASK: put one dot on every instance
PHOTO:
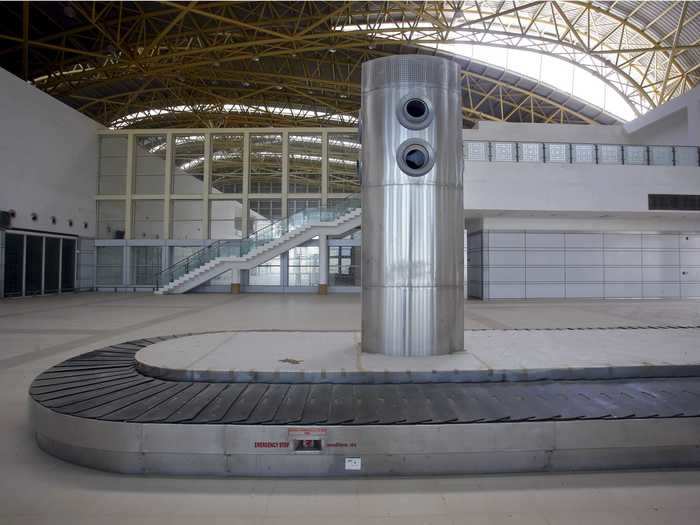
(552, 71)
(301, 113)
(571, 74)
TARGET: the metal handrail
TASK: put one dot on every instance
(204, 255)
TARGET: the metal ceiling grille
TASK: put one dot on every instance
(211, 64)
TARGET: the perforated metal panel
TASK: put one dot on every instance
(410, 69)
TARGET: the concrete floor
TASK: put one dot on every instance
(36, 488)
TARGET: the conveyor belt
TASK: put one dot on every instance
(105, 385)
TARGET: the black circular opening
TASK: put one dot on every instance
(416, 158)
(416, 108)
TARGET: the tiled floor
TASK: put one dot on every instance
(36, 488)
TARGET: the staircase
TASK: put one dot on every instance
(261, 246)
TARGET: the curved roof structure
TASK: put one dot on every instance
(213, 64)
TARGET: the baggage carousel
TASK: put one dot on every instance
(100, 410)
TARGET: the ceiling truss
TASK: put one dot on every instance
(211, 64)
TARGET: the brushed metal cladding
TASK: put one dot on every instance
(412, 226)
(243, 450)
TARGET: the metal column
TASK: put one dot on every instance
(412, 207)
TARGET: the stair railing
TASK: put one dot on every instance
(268, 233)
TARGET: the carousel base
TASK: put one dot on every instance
(100, 410)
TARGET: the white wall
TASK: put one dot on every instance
(648, 222)
(48, 155)
(571, 187)
(523, 132)
(676, 122)
(556, 264)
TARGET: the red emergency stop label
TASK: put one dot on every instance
(271, 444)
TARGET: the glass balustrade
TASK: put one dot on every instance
(565, 153)
(259, 238)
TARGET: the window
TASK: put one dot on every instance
(147, 220)
(262, 212)
(226, 219)
(265, 163)
(584, 153)
(635, 155)
(112, 171)
(68, 265)
(178, 253)
(149, 177)
(343, 154)
(503, 151)
(304, 162)
(344, 265)
(556, 153)
(110, 219)
(661, 155)
(529, 152)
(227, 163)
(609, 154)
(297, 205)
(476, 151)
(52, 260)
(188, 164)
(268, 274)
(110, 265)
(145, 264)
(32, 269)
(303, 266)
(186, 220)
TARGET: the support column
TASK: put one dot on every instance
(126, 261)
(324, 167)
(60, 268)
(2, 264)
(206, 187)
(285, 171)
(168, 190)
(246, 183)
(128, 218)
(43, 267)
(235, 281)
(323, 264)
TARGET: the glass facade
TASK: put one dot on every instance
(111, 179)
(266, 178)
(186, 220)
(303, 266)
(36, 264)
(255, 177)
(226, 219)
(565, 153)
(188, 164)
(297, 205)
(149, 169)
(111, 219)
(227, 163)
(268, 274)
(262, 212)
(305, 162)
(265, 163)
(344, 265)
(343, 154)
(147, 220)
(145, 263)
(110, 265)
